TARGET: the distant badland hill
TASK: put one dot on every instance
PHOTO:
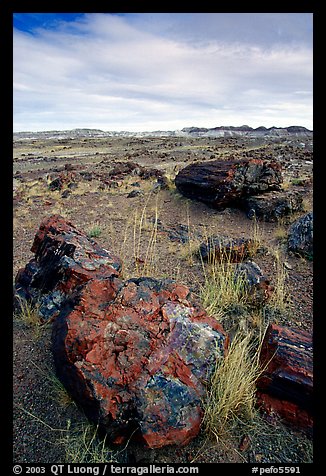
(220, 131)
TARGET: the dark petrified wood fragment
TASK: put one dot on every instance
(222, 183)
(300, 239)
(257, 284)
(286, 385)
(222, 248)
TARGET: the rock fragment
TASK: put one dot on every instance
(222, 248)
(273, 205)
(300, 238)
(257, 284)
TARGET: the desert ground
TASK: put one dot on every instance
(156, 231)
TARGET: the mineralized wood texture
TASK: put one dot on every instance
(273, 205)
(286, 386)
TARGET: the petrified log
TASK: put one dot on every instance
(222, 248)
(136, 355)
(286, 385)
(64, 258)
(273, 205)
(222, 183)
(300, 239)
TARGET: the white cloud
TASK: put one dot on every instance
(125, 72)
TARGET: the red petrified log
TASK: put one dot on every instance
(136, 356)
(286, 385)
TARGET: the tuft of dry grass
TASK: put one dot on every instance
(231, 391)
(138, 241)
(257, 238)
(82, 444)
(58, 392)
(280, 298)
(222, 288)
(28, 314)
(94, 231)
(145, 254)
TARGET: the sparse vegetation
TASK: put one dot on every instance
(57, 393)
(280, 297)
(140, 235)
(281, 233)
(298, 181)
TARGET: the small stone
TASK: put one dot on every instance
(134, 193)
(259, 287)
(287, 265)
(244, 443)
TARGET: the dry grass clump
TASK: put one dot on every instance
(222, 289)
(28, 314)
(140, 236)
(57, 391)
(81, 441)
(82, 444)
(280, 299)
(145, 256)
(231, 390)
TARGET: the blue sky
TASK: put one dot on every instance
(151, 71)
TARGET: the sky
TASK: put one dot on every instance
(161, 71)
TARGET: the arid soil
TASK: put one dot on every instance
(156, 232)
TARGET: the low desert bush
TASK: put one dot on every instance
(94, 231)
